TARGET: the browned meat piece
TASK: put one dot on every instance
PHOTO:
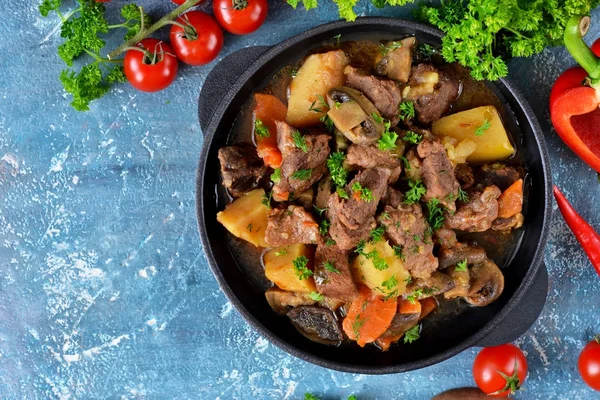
(460, 252)
(500, 175)
(464, 175)
(438, 173)
(396, 63)
(360, 156)
(486, 283)
(505, 224)
(281, 300)
(445, 237)
(299, 169)
(383, 93)
(332, 274)
(414, 168)
(433, 91)
(352, 219)
(323, 192)
(317, 323)
(241, 169)
(406, 227)
(393, 198)
(478, 213)
(291, 226)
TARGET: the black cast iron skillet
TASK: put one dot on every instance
(229, 86)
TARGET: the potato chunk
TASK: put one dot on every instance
(246, 218)
(280, 269)
(318, 74)
(381, 270)
(493, 143)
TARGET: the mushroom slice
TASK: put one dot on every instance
(461, 283)
(438, 283)
(281, 300)
(316, 323)
(354, 115)
(396, 63)
(487, 283)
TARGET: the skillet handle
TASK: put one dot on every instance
(220, 79)
(523, 315)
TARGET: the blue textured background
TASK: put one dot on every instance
(104, 289)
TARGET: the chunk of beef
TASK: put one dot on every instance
(438, 173)
(383, 93)
(437, 283)
(393, 198)
(505, 224)
(281, 300)
(478, 213)
(316, 323)
(460, 252)
(291, 226)
(332, 274)
(352, 219)
(395, 64)
(406, 227)
(241, 169)
(414, 168)
(432, 91)
(464, 175)
(446, 238)
(500, 175)
(360, 156)
(299, 169)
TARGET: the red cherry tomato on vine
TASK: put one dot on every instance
(596, 47)
(240, 16)
(197, 38)
(499, 371)
(178, 2)
(589, 364)
(151, 71)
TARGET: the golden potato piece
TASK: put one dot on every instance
(246, 218)
(280, 269)
(381, 270)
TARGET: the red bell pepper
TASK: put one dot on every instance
(585, 234)
(575, 97)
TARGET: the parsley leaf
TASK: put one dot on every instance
(407, 110)
(300, 141)
(276, 175)
(461, 266)
(481, 130)
(398, 252)
(390, 283)
(324, 227)
(281, 252)
(412, 137)
(462, 195)
(436, 214)
(413, 195)
(302, 174)
(319, 211)
(415, 295)
(377, 234)
(406, 163)
(342, 193)
(365, 194)
(412, 334)
(260, 129)
(330, 267)
(300, 266)
(384, 49)
(387, 140)
(316, 296)
(335, 164)
(266, 200)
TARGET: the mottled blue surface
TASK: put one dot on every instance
(104, 288)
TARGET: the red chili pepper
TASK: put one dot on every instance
(585, 234)
(575, 97)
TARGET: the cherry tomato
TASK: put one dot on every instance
(178, 2)
(154, 70)
(499, 371)
(589, 364)
(240, 16)
(197, 38)
(596, 47)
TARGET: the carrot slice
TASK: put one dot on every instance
(269, 109)
(428, 305)
(406, 307)
(384, 343)
(510, 202)
(369, 316)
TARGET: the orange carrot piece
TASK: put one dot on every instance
(369, 316)
(384, 343)
(406, 307)
(269, 109)
(510, 202)
(428, 305)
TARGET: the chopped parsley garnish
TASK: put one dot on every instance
(330, 242)
(412, 334)
(260, 129)
(322, 105)
(398, 252)
(337, 39)
(481, 130)
(294, 72)
(408, 280)
(335, 163)
(302, 174)
(331, 268)
(319, 211)
(377, 234)
(249, 227)
(436, 214)
(324, 227)
(365, 194)
(412, 137)
(425, 49)
(342, 193)
(406, 163)
(300, 266)
(379, 263)
(461, 266)
(385, 49)
(328, 122)
(300, 141)
(356, 325)
(391, 283)
(387, 140)
(407, 110)
(377, 118)
(337, 105)
(462, 195)
(316, 296)
(385, 216)
(281, 252)
(276, 175)
(360, 247)
(310, 396)
(266, 200)
(413, 195)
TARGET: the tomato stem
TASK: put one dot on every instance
(145, 32)
(597, 339)
(575, 30)
(100, 59)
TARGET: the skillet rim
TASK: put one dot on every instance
(293, 349)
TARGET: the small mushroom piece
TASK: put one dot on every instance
(459, 252)
(400, 324)
(281, 300)
(354, 115)
(317, 324)
(438, 283)
(461, 283)
(487, 283)
(396, 62)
